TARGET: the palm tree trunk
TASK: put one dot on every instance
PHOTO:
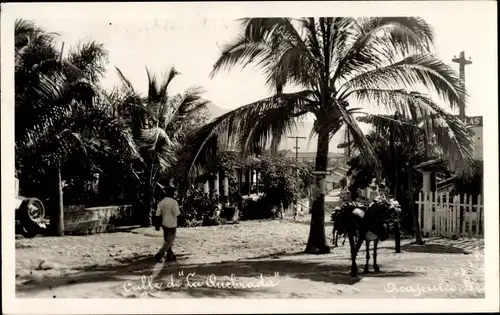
(394, 160)
(148, 196)
(57, 218)
(317, 238)
(416, 226)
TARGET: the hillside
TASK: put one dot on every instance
(216, 111)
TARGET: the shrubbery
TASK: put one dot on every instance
(199, 209)
(261, 208)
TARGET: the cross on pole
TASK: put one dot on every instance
(462, 63)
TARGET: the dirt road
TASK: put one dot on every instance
(247, 260)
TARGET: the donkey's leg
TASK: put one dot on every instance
(352, 245)
(335, 238)
(354, 253)
(367, 255)
(375, 266)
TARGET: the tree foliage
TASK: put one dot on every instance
(332, 63)
(112, 146)
(62, 119)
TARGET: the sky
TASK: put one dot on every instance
(192, 43)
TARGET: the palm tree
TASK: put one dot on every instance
(334, 63)
(160, 123)
(400, 145)
(59, 109)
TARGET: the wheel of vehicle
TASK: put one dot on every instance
(31, 214)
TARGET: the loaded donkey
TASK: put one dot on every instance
(362, 223)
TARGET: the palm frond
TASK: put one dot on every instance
(452, 136)
(154, 139)
(276, 46)
(179, 107)
(331, 121)
(91, 58)
(241, 51)
(124, 80)
(419, 109)
(379, 40)
(409, 73)
(153, 88)
(163, 88)
(27, 33)
(359, 138)
(270, 129)
(230, 128)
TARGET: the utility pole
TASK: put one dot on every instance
(462, 63)
(296, 147)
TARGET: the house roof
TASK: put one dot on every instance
(431, 165)
(445, 184)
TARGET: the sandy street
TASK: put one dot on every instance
(255, 259)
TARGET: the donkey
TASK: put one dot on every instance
(374, 222)
(339, 227)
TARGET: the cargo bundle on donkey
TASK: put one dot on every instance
(375, 221)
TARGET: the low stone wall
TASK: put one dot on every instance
(81, 220)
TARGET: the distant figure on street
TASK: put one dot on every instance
(281, 210)
(166, 217)
(295, 210)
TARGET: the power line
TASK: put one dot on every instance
(296, 147)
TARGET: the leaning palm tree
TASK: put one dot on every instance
(335, 63)
(160, 123)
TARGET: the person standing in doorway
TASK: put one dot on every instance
(166, 218)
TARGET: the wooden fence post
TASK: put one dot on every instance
(439, 212)
(424, 209)
(449, 214)
(463, 210)
(456, 216)
(434, 212)
(437, 226)
(480, 219)
(478, 216)
(426, 214)
(442, 215)
(431, 213)
(470, 216)
(419, 211)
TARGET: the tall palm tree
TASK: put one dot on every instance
(335, 62)
(160, 123)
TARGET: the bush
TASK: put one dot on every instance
(228, 213)
(198, 209)
(280, 183)
(262, 208)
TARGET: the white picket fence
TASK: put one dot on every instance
(443, 215)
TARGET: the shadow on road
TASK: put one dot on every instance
(317, 269)
(433, 249)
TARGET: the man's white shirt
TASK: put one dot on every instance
(168, 208)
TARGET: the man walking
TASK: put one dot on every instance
(166, 217)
